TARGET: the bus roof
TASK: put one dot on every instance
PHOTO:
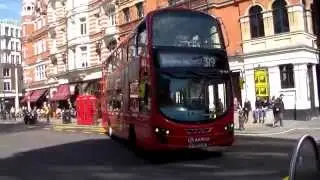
(178, 9)
(151, 13)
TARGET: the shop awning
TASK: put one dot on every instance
(37, 94)
(63, 93)
(26, 96)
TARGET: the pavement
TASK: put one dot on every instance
(40, 154)
(57, 125)
(266, 129)
(251, 129)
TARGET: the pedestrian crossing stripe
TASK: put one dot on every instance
(285, 178)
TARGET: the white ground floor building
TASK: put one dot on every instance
(291, 72)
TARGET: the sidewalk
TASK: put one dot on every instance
(56, 124)
(266, 128)
(11, 121)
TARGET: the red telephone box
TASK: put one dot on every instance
(86, 106)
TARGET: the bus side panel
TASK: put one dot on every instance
(142, 128)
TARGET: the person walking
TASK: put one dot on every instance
(247, 109)
(278, 109)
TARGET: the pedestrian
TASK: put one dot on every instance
(257, 114)
(241, 116)
(247, 109)
(12, 112)
(46, 110)
(278, 109)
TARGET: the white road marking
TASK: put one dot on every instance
(276, 133)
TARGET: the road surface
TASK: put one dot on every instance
(39, 154)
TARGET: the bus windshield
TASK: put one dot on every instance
(191, 96)
(186, 29)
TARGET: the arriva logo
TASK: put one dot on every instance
(198, 139)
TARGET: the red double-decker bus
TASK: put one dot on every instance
(168, 86)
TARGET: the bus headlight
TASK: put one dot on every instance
(229, 127)
(162, 134)
(161, 131)
(167, 132)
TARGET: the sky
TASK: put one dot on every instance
(10, 9)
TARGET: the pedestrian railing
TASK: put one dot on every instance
(305, 161)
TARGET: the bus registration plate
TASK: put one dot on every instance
(198, 142)
(198, 146)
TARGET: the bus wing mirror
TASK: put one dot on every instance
(224, 32)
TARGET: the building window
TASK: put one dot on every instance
(12, 59)
(11, 32)
(40, 72)
(6, 72)
(315, 8)
(12, 45)
(83, 26)
(280, 17)
(140, 11)
(39, 47)
(17, 33)
(6, 31)
(6, 86)
(112, 18)
(17, 46)
(7, 58)
(126, 14)
(256, 22)
(84, 56)
(18, 59)
(286, 76)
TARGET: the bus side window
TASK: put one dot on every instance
(118, 57)
(142, 41)
(110, 93)
(132, 49)
(134, 96)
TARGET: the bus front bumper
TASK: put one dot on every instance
(216, 144)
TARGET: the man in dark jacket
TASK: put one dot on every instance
(247, 109)
(278, 110)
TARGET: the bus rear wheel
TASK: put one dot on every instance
(133, 142)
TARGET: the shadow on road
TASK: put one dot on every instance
(251, 158)
(19, 127)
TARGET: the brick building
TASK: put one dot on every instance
(65, 42)
(268, 40)
(129, 14)
(35, 51)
